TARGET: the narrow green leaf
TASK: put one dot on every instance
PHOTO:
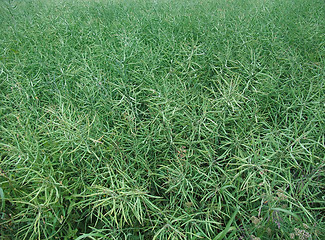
(3, 202)
(285, 211)
(222, 234)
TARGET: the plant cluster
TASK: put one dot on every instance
(165, 119)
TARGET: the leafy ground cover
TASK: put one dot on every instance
(181, 119)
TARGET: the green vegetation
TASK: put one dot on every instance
(167, 119)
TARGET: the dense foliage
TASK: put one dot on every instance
(180, 119)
